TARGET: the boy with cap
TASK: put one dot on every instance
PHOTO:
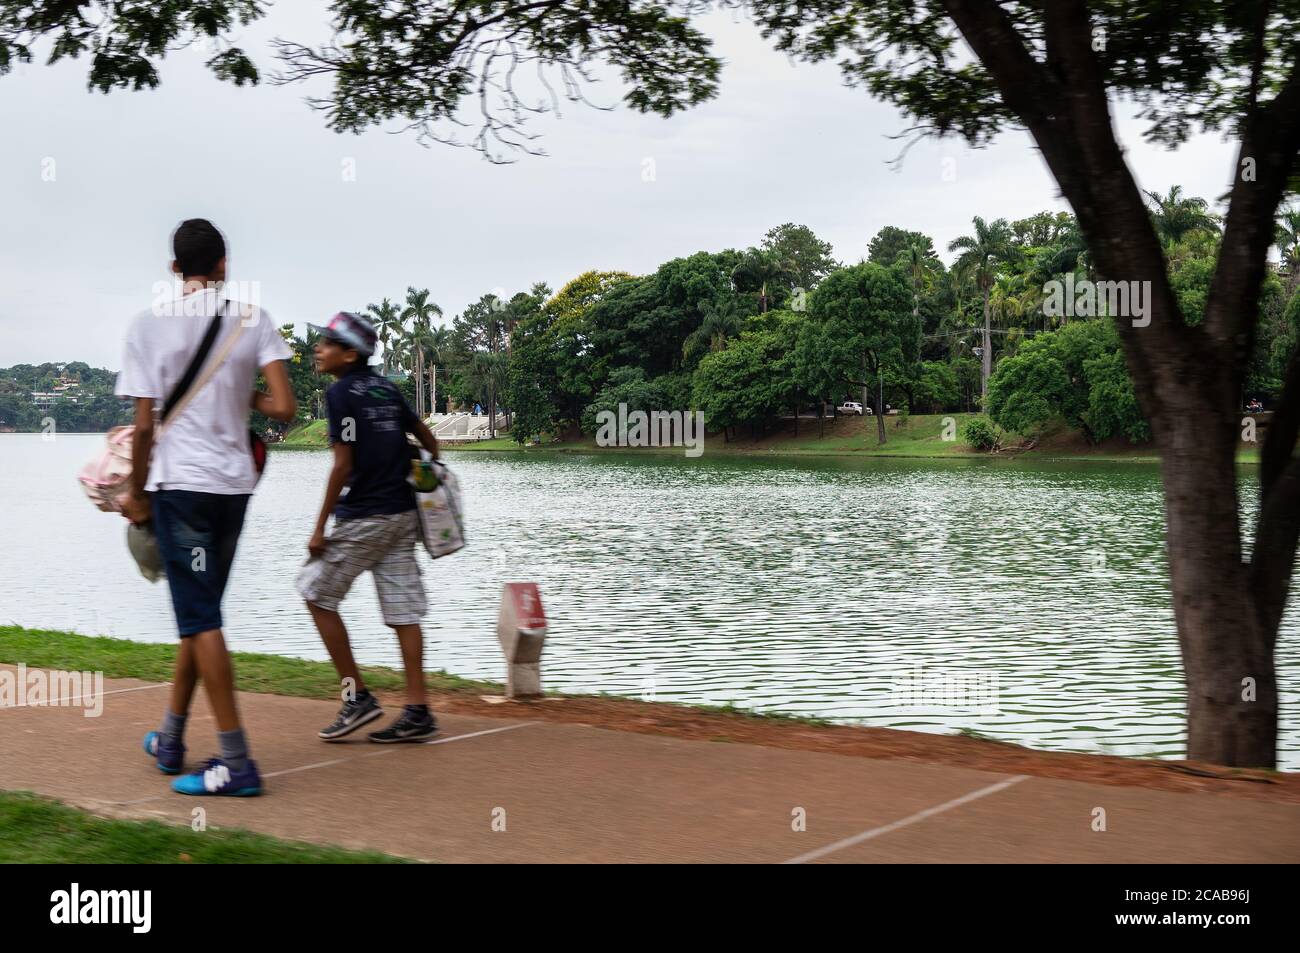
(376, 526)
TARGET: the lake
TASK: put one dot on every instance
(1030, 598)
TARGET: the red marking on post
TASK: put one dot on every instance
(530, 618)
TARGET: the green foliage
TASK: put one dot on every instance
(87, 404)
(980, 434)
(859, 321)
(935, 389)
(38, 830)
(1077, 374)
(891, 242)
(126, 40)
(1187, 65)
(644, 322)
(804, 257)
(416, 62)
(749, 382)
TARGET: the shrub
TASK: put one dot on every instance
(980, 434)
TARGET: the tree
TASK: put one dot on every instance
(891, 242)
(552, 362)
(762, 272)
(860, 321)
(982, 253)
(1053, 69)
(1288, 244)
(972, 68)
(438, 351)
(721, 320)
(479, 334)
(936, 388)
(1075, 374)
(644, 322)
(389, 327)
(745, 383)
(1175, 216)
(804, 257)
(419, 312)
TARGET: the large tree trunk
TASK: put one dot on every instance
(433, 389)
(1227, 654)
(1187, 379)
(877, 403)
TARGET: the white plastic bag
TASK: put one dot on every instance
(437, 500)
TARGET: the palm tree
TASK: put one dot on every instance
(918, 267)
(387, 320)
(1288, 243)
(1068, 254)
(983, 252)
(420, 311)
(720, 321)
(756, 271)
(1175, 216)
(1011, 297)
(436, 343)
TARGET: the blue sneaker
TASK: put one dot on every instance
(217, 777)
(170, 757)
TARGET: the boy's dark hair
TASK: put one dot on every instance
(197, 246)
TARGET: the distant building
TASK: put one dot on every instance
(44, 400)
(65, 388)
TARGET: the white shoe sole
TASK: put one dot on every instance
(365, 719)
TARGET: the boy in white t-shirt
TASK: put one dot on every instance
(192, 479)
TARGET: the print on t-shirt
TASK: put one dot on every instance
(369, 413)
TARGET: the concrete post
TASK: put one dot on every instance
(521, 630)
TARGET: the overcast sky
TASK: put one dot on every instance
(784, 142)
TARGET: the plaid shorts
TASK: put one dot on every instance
(383, 544)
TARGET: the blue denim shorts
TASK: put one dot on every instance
(197, 536)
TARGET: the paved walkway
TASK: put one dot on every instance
(576, 793)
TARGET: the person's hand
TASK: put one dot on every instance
(136, 508)
(316, 545)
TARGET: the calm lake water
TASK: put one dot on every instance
(817, 588)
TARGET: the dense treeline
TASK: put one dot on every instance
(84, 401)
(750, 336)
(755, 335)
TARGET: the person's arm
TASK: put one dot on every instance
(135, 505)
(425, 436)
(339, 474)
(278, 401)
(413, 425)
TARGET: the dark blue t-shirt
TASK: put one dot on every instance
(369, 413)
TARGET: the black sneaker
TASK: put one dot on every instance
(353, 714)
(411, 725)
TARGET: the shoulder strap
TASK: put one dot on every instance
(187, 379)
(213, 366)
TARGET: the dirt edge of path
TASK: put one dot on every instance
(980, 754)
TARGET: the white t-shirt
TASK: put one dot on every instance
(206, 447)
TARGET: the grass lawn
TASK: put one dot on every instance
(271, 674)
(37, 830)
(496, 443)
(312, 435)
(906, 435)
